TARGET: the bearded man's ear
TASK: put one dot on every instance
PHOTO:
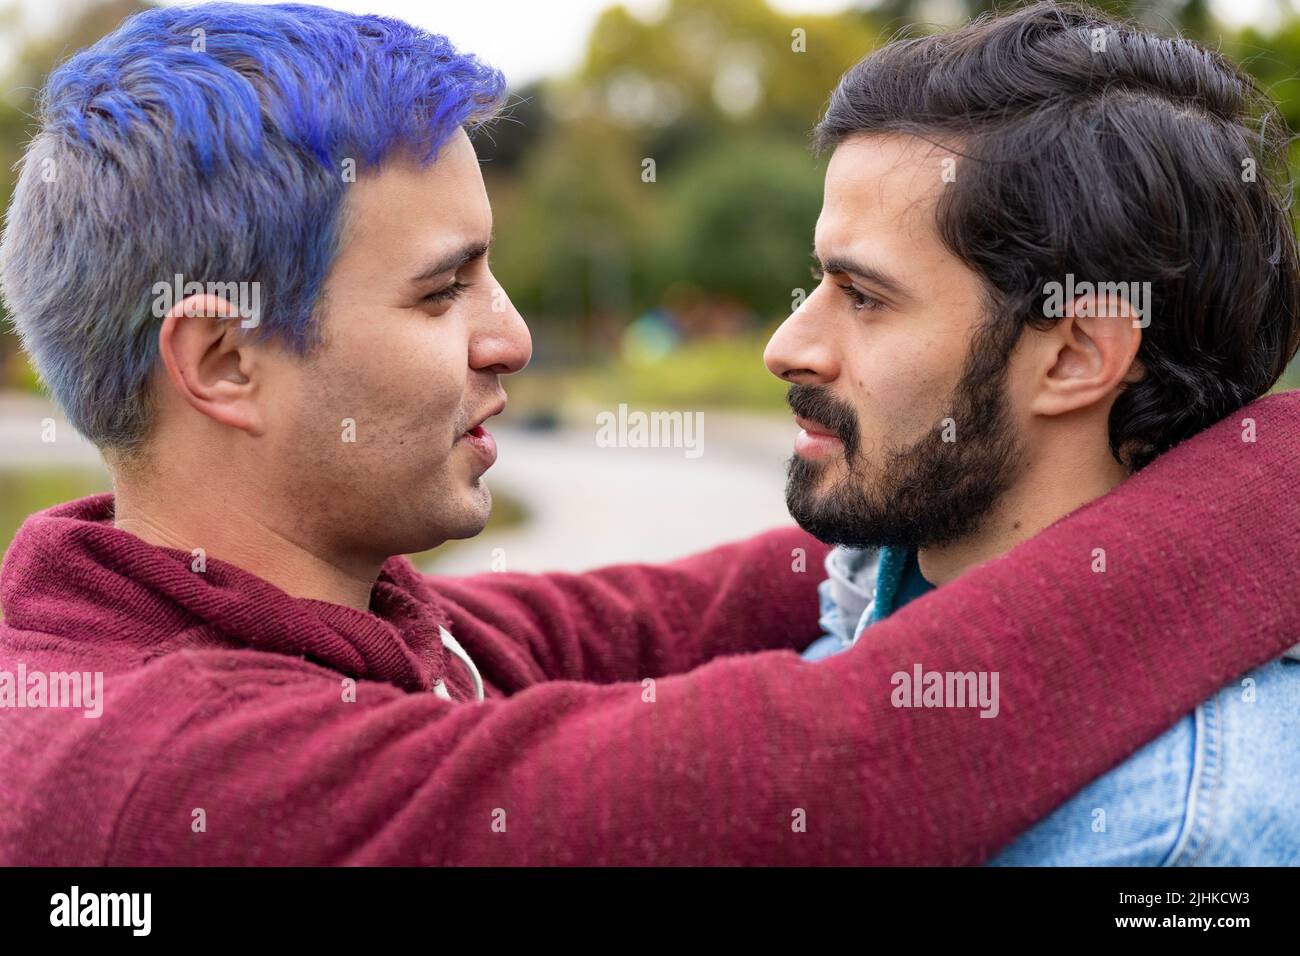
(1088, 355)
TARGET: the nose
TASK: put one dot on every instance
(501, 344)
(802, 351)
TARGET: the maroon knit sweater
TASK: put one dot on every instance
(636, 714)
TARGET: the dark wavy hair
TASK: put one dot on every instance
(1091, 147)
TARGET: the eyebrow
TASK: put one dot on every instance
(841, 264)
(453, 260)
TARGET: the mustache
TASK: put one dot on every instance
(817, 404)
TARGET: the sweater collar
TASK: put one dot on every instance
(70, 572)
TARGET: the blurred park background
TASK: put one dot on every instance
(656, 294)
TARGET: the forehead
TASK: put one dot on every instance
(405, 212)
(881, 192)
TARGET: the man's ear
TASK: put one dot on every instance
(1088, 354)
(209, 362)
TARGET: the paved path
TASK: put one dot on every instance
(590, 506)
(23, 434)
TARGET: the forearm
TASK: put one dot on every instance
(634, 621)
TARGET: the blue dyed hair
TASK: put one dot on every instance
(208, 141)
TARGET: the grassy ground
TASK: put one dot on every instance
(22, 492)
(707, 374)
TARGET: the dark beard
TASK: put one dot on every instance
(927, 494)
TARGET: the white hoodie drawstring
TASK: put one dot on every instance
(449, 642)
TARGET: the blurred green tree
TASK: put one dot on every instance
(19, 86)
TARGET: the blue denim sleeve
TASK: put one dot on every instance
(1131, 816)
(1245, 805)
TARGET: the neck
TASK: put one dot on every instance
(226, 528)
(1062, 476)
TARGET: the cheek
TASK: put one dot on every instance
(420, 418)
(1024, 372)
(399, 414)
(419, 379)
(901, 383)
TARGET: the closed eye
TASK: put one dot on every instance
(447, 294)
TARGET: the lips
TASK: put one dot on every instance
(829, 425)
(815, 428)
(479, 439)
(816, 441)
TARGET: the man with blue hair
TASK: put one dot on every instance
(248, 253)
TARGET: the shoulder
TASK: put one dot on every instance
(1130, 816)
(1244, 804)
(1221, 787)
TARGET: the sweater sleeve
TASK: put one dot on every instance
(764, 758)
(634, 621)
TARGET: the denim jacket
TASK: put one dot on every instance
(1219, 788)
